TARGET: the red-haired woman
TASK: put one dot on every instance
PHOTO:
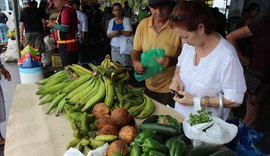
(208, 67)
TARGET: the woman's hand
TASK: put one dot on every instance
(186, 100)
(138, 67)
(176, 84)
(115, 33)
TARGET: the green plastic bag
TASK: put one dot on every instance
(149, 61)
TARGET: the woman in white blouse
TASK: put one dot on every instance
(119, 26)
(208, 64)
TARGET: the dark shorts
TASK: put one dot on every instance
(36, 40)
(68, 58)
(164, 98)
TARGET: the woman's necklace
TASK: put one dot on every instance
(119, 20)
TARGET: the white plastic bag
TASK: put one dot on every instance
(46, 58)
(73, 152)
(49, 43)
(12, 53)
(215, 132)
(126, 44)
(100, 151)
(49, 49)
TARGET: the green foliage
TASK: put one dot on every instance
(201, 117)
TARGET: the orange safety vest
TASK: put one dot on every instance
(59, 41)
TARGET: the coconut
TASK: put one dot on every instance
(120, 117)
(119, 146)
(100, 109)
(128, 134)
(108, 129)
(104, 120)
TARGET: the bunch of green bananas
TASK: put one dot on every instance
(96, 89)
(83, 93)
(134, 100)
(83, 126)
(113, 70)
(56, 88)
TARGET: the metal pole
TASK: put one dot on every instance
(16, 22)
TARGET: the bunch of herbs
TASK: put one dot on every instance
(201, 117)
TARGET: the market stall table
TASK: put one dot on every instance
(31, 132)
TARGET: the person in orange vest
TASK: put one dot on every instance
(65, 32)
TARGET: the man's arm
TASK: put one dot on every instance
(239, 34)
(21, 31)
(136, 56)
(136, 61)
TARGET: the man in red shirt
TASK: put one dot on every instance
(65, 30)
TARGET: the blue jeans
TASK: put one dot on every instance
(3, 32)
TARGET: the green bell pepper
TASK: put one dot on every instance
(136, 151)
(117, 154)
(151, 144)
(156, 153)
(144, 135)
(176, 146)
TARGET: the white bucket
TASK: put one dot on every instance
(31, 75)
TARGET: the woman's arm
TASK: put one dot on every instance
(187, 100)
(127, 27)
(214, 102)
(176, 83)
(110, 33)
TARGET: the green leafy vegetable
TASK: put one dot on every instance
(201, 117)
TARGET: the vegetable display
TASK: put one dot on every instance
(101, 106)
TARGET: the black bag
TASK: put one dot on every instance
(253, 79)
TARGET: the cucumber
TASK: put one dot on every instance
(151, 119)
(161, 129)
(224, 152)
(203, 151)
(185, 139)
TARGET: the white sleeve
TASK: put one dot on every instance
(85, 24)
(127, 24)
(109, 30)
(232, 79)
